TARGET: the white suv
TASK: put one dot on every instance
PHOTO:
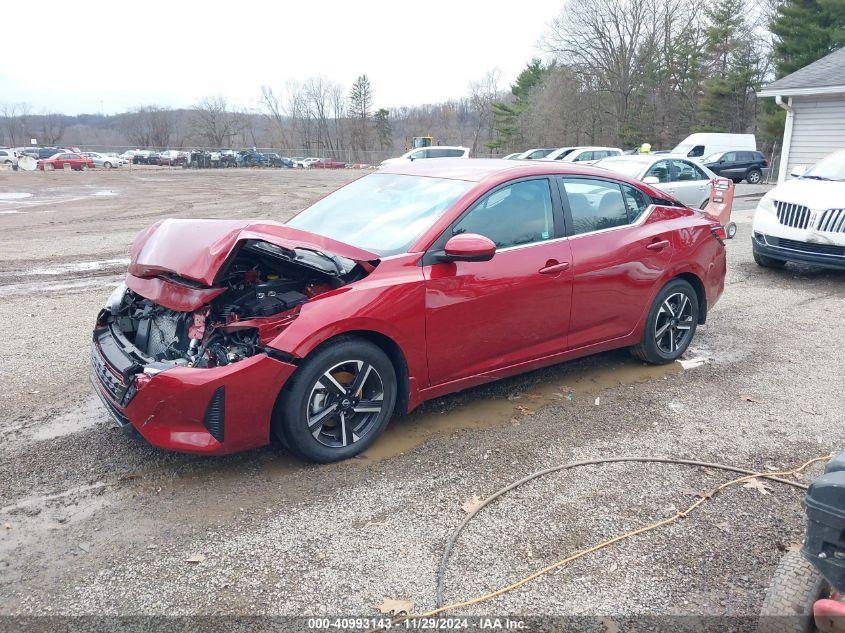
(803, 219)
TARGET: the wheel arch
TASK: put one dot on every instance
(397, 358)
(393, 351)
(697, 285)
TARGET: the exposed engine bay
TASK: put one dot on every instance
(260, 291)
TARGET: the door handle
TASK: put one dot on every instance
(658, 246)
(553, 267)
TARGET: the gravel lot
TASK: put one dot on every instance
(99, 523)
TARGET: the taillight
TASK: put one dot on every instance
(765, 163)
(719, 233)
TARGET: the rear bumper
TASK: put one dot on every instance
(830, 256)
(212, 411)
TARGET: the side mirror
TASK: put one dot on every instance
(469, 247)
(651, 180)
(798, 171)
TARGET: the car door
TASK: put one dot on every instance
(745, 160)
(730, 165)
(617, 257)
(481, 316)
(689, 184)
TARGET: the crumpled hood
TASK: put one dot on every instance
(198, 249)
(815, 194)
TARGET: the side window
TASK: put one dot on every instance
(696, 151)
(3, 153)
(636, 202)
(685, 171)
(418, 154)
(453, 153)
(583, 156)
(747, 157)
(659, 170)
(520, 213)
(595, 205)
(729, 157)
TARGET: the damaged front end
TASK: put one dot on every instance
(207, 346)
(254, 298)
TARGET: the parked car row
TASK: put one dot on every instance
(579, 154)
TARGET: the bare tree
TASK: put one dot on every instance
(482, 95)
(150, 126)
(275, 112)
(215, 123)
(605, 40)
(51, 128)
(15, 121)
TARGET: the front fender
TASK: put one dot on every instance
(390, 302)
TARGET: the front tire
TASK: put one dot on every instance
(338, 401)
(107, 165)
(670, 325)
(788, 606)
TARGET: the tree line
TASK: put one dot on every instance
(615, 72)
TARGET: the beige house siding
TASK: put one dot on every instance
(818, 128)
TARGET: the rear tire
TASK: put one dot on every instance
(321, 415)
(670, 325)
(107, 165)
(788, 606)
(754, 176)
(765, 261)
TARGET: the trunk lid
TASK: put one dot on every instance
(198, 249)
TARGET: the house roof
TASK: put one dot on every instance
(823, 76)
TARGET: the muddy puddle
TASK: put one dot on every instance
(561, 386)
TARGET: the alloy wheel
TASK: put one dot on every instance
(345, 403)
(673, 323)
(754, 177)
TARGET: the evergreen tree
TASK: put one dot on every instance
(383, 128)
(506, 115)
(360, 103)
(733, 64)
(806, 30)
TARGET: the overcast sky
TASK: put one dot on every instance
(87, 57)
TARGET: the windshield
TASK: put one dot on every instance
(383, 213)
(626, 166)
(830, 168)
(714, 157)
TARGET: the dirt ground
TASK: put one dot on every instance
(95, 522)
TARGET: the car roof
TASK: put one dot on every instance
(481, 169)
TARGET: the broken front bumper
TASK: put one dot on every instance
(213, 411)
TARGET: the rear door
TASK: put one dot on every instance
(689, 183)
(617, 257)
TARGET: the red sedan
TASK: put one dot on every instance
(62, 159)
(406, 284)
(325, 163)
